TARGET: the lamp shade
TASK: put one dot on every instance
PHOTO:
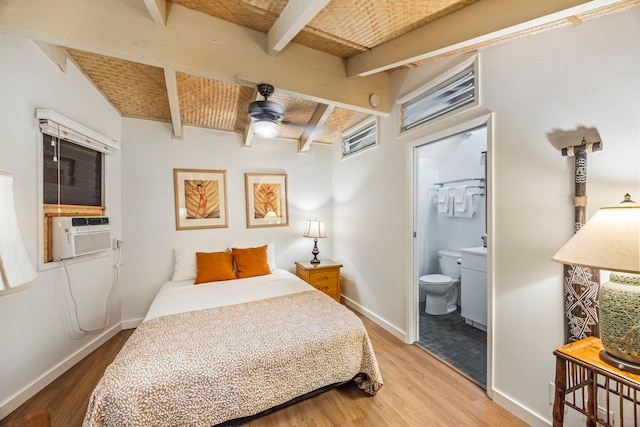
(266, 128)
(315, 229)
(16, 270)
(610, 240)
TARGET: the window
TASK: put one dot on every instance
(363, 135)
(72, 165)
(72, 175)
(450, 92)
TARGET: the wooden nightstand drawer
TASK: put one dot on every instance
(329, 289)
(324, 276)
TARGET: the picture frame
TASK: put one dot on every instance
(266, 200)
(200, 198)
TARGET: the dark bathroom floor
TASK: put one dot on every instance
(451, 339)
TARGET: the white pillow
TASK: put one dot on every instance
(271, 253)
(185, 267)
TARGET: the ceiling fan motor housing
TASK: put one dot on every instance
(266, 110)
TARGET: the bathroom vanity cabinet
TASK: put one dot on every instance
(473, 288)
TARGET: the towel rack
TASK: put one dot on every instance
(453, 181)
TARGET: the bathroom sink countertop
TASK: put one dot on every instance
(480, 250)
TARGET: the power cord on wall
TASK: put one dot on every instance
(107, 316)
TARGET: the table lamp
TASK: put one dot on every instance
(16, 271)
(611, 241)
(315, 229)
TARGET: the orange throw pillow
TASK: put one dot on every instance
(251, 261)
(214, 266)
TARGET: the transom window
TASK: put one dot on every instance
(361, 136)
(450, 92)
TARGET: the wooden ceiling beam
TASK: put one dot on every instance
(194, 43)
(317, 121)
(294, 17)
(174, 101)
(158, 10)
(476, 24)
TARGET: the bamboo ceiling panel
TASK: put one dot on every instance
(348, 27)
(255, 14)
(344, 27)
(297, 113)
(335, 124)
(135, 90)
(213, 104)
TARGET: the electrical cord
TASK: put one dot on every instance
(108, 308)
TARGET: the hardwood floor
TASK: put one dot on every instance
(418, 390)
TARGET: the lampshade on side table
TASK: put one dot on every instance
(611, 241)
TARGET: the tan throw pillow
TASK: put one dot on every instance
(251, 261)
(213, 267)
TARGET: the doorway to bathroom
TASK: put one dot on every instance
(450, 251)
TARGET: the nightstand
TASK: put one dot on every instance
(324, 276)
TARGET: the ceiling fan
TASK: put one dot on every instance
(266, 113)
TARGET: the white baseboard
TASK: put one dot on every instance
(131, 324)
(393, 330)
(529, 417)
(48, 377)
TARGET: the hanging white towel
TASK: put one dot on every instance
(443, 200)
(461, 204)
(470, 204)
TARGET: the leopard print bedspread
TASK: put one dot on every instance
(204, 367)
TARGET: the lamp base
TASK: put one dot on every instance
(315, 252)
(623, 365)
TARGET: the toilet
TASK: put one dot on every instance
(442, 289)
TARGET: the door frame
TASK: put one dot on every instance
(456, 126)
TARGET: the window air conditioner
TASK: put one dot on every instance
(75, 236)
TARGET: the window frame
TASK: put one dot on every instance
(470, 62)
(56, 125)
(357, 129)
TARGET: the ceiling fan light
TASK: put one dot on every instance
(266, 128)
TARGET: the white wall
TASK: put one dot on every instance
(537, 88)
(149, 157)
(39, 338)
(583, 76)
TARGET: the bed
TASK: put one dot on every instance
(224, 350)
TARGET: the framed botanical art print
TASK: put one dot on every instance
(200, 198)
(267, 203)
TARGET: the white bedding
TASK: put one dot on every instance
(183, 296)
